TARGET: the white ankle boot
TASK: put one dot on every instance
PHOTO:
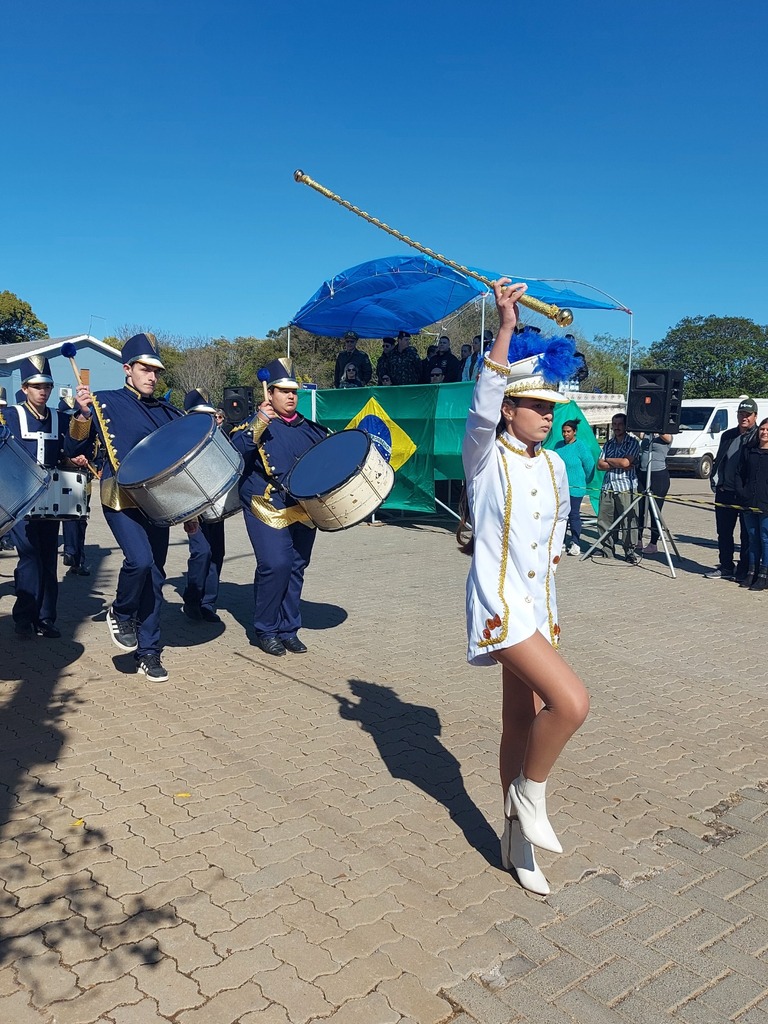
(517, 855)
(528, 801)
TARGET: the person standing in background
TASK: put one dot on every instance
(580, 466)
(654, 449)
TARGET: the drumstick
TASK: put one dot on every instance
(263, 376)
(69, 351)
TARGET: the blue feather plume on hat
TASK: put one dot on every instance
(557, 359)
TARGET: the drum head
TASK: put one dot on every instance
(329, 464)
(164, 449)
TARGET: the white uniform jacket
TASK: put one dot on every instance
(519, 506)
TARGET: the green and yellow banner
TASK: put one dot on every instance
(419, 429)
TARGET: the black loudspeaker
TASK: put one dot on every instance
(237, 404)
(654, 401)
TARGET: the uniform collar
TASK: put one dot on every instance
(36, 414)
(144, 399)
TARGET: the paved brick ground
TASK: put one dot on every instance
(315, 837)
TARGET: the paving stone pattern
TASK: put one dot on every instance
(315, 837)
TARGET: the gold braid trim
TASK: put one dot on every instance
(278, 518)
(2, 419)
(503, 565)
(258, 426)
(111, 494)
(523, 388)
(503, 371)
(554, 629)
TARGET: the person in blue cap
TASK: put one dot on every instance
(41, 432)
(206, 546)
(119, 420)
(279, 529)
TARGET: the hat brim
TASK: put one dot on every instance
(148, 360)
(202, 408)
(540, 394)
(285, 383)
(37, 378)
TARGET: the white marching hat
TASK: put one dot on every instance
(524, 382)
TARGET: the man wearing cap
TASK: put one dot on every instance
(404, 362)
(352, 354)
(723, 483)
(206, 545)
(119, 420)
(280, 531)
(41, 432)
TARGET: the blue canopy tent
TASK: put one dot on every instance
(383, 296)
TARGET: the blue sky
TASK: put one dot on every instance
(150, 146)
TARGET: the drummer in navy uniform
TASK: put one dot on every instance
(73, 530)
(41, 432)
(120, 420)
(279, 529)
(6, 544)
(206, 546)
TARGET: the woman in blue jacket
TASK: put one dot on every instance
(580, 466)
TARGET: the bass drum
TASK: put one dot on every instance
(22, 481)
(179, 470)
(341, 481)
(227, 506)
(66, 497)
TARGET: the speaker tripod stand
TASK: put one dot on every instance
(665, 536)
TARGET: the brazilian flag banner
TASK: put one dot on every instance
(401, 422)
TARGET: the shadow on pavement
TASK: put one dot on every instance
(406, 736)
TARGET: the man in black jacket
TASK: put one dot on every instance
(723, 482)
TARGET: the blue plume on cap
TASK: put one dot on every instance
(263, 375)
(557, 360)
(68, 350)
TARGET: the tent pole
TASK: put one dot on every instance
(289, 341)
(482, 325)
(629, 363)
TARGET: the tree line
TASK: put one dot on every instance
(720, 356)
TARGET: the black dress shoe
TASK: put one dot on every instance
(68, 560)
(209, 616)
(270, 645)
(294, 645)
(46, 628)
(192, 611)
(79, 570)
(25, 631)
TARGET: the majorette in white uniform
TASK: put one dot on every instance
(519, 507)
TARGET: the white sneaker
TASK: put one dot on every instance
(649, 549)
(574, 549)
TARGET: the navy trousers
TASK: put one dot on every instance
(206, 557)
(281, 558)
(74, 539)
(140, 583)
(36, 578)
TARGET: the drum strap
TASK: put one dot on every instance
(35, 435)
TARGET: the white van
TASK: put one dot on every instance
(702, 421)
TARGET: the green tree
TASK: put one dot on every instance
(17, 321)
(721, 356)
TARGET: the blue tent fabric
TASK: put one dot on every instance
(406, 293)
(381, 297)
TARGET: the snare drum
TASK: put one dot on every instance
(180, 469)
(66, 497)
(341, 481)
(22, 481)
